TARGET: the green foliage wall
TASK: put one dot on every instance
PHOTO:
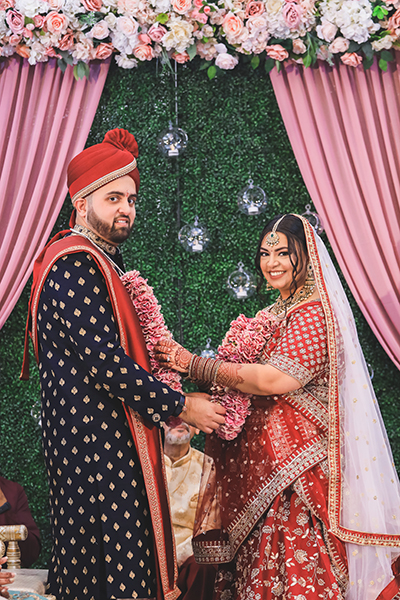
(235, 132)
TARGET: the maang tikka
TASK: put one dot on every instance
(272, 239)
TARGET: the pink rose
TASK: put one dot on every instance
(198, 3)
(232, 25)
(103, 51)
(351, 59)
(54, 4)
(38, 21)
(277, 52)
(394, 22)
(340, 44)
(157, 32)
(92, 5)
(14, 39)
(100, 31)
(67, 41)
(292, 14)
(206, 10)
(180, 57)
(226, 61)
(15, 21)
(256, 24)
(143, 52)
(144, 38)
(5, 4)
(23, 51)
(127, 25)
(181, 6)
(327, 31)
(56, 22)
(254, 8)
(27, 33)
(299, 46)
(198, 16)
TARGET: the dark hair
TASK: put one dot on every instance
(293, 228)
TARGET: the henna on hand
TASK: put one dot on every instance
(182, 358)
(228, 375)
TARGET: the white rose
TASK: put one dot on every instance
(220, 48)
(226, 61)
(124, 62)
(99, 31)
(384, 43)
(110, 19)
(326, 31)
(82, 51)
(162, 6)
(178, 36)
(273, 6)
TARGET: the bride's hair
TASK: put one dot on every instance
(293, 228)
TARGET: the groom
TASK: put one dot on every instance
(102, 409)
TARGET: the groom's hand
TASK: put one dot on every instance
(201, 413)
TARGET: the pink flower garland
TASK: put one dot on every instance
(243, 343)
(152, 323)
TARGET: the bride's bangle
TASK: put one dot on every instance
(203, 370)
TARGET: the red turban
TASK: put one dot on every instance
(98, 165)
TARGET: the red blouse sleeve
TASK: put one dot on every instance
(301, 349)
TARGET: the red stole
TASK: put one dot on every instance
(146, 436)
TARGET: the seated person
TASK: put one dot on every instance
(183, 467)
(14, 510)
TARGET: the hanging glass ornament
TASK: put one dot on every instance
(370, 371)
(314, 219)
(173, 141)
(36, 412)
(241, 284)
(206, 351)
(194, 237)
(252, 200)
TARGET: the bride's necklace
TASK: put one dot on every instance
(282, 306)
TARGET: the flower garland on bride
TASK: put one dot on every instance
(243, 343)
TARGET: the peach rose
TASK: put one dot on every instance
(27, 33)
(67, 41)
(292, 14)
(127, 25)
(51, 53)
(14, 39)
(351, 59)
(5, 4)
(38, 21)
(100, 31)
(299, 46)
(143, 52)
(206, 51)
(181, 57)
(15, 21)
(157, 32)
(103, 51)
(181, 6)
(23, 51)
(277, 52)
(394, 22)
(92, 5)
(256, 24)
(340, 44)
(144, 38)
(254, 8)
(56, 22)
(232, 25)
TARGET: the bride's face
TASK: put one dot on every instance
(277, 267)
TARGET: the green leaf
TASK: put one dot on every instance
(211, 72)
(386, 55)
(383, 64)
(81, 70)
(162, 18)
(269, 65)
(354, 47)
(192, 51)
(278, 65)
(307, 60)
(368, 50)
(367, 63)
(204, 65)
(62, 64)
(380, 12)
(255, 61)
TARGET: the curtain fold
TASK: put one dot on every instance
(46, 116)
(343, 124)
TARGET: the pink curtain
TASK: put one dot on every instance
(344, 127)
(45, 118)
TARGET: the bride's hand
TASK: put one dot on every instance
(172, 355)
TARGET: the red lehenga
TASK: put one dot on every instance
(305, 503)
